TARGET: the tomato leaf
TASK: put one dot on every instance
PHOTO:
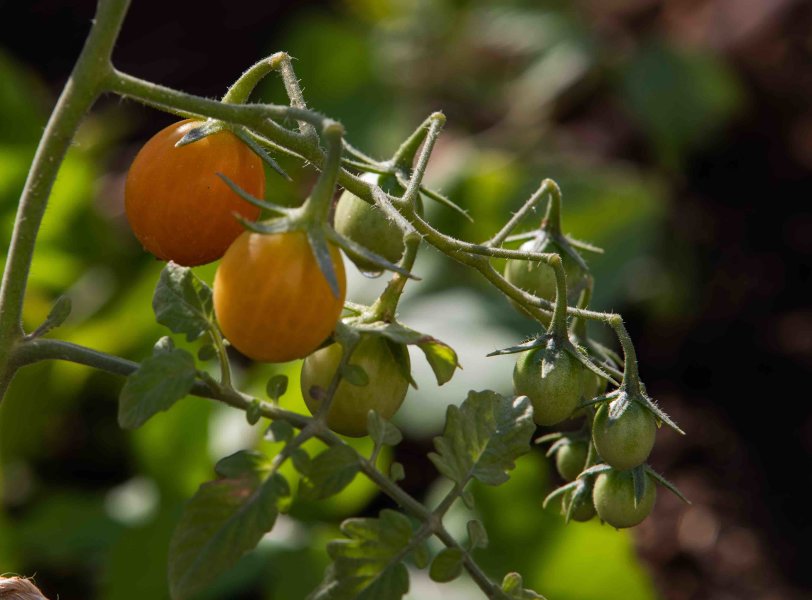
(368, 564)
(447, 565)
(225, 519)
(513, 589)
(441, 357)
(382, 431)
(243, 463)
(277, 386)
(279, 431)
(483, 437)
(477, 536)
(56, 316)
(329, 473)
(182, 302)
(160, 381)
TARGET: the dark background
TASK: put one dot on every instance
(727, 353)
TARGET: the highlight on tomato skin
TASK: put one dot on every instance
(177, 205)
(271, 300)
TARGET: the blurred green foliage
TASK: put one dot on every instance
(85, 502)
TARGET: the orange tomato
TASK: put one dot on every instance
(270, 298)
(177, 206)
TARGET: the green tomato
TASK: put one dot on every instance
(613, 496)
(583, 512)
(594, 385)
(384, 392)
(625, 442)
(368, 226)
(552, 381)
(570, 460)
(538, 278)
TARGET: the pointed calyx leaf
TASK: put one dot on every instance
(447, 565)
(536, 342)
(225, 519)
(667, 484)
(356, 250)
(270, 207)
(483, 437)
(160, 381)
(329, 473)
(441, 357)
(182, 302)
(205, 129)
(513, 589)
(260, 151)
(368, 565)
(324, 258)
(658, 412)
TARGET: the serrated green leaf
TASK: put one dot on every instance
(277, 386)
(225, 519)
(368, 565)
(279, 431)
(382, 431)
(244, 463)
(483, 437)
(329, 473)
(447, 565)
(477, 536)
(160, 381)
(182, 302)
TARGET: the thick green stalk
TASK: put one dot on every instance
(81, 91)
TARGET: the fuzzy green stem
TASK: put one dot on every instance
(404, 156)
(558, 323)
(631, 377)
(320, 201)
(79, 94)
(241, 90)
(552, 220)
(386, 305)
(548, 185)
(410, 195)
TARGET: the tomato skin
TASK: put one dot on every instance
(613, 496)
(177, 206)
(270, 298)
(625, 443)
(583, 512)
(384, 392)
(538, 278)
(570, 460)
(555, 395)
(368, 226)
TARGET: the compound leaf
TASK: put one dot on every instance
(182, 302)
(483, 437)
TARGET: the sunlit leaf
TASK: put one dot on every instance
(182, 302)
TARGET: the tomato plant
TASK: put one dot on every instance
(538, 278)
(177, 205)
(625, 441)
(552, 380)
(614, 498)
(383, 389)
(271, 300)
(583, 511)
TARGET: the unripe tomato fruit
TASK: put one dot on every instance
(583, 512)
(613, 496)
(384, 392)
(626, 442)
(554, 395)
(538, 278)
(570, 460)
(368, 226)
(270, 298)
(177, 206)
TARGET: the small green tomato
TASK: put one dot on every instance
(384, 392)
(613, 496)
(552, 380)
(368, 226)
(583, 512)
(625, 442)
(570, 460)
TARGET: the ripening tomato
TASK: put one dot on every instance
(384, 391)
(177, 206)
(613, 496)
(552, 381)
(271, 299)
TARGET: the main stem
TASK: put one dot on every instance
(80, 92)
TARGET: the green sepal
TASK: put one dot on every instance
(355, 249)
(261, 152)
(324, 258)
(263, 204)
(205, 129)
(665, 483)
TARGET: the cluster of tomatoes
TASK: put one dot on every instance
(271, 300)
(273, 304)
